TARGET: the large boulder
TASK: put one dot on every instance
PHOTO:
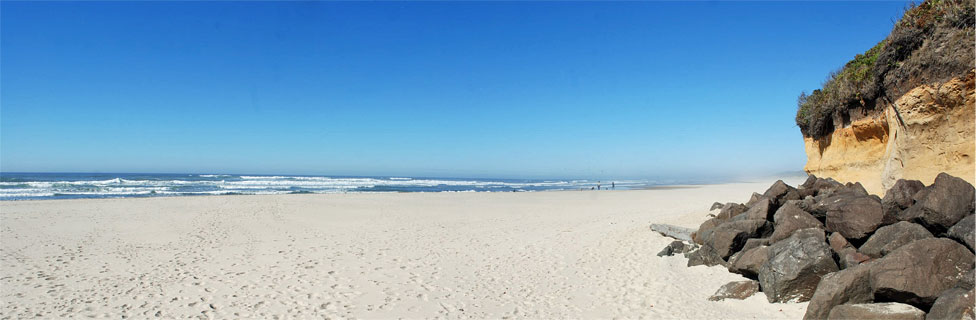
(676, 246)
(876, 311)
(736, 290)
(940, 206)
(955, 303)
(705, 228)
(851, 258)
(729, 237)
(889, 238)
(820, 185)
(899, 198)
(795, 265)
(780, 192)
(731, 210)
(706, 256)
(790, 218)
(762, 209)
(854, 217)
(838, 243)
(918, 272)
(851, 285)
(747, 263)
(755, 243)
(963, 231)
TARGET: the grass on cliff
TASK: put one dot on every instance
(894, 65)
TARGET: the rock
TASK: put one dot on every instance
(851, 258)
(889, 238)
(705, 255)
(838, 243)
(752, 199)
(809, 182)
(706, 228)
(716, 205)
(962, 231)
(747, 263)
(856, 188)
(676, 246)
(729, 237)
(676, 232)
(854, 217)
(852, 285)
(940, 206)
(795, 266)
(780, 192)
(760, 210)
(899, 198)
(731, 210)
(955, 303)
(790, 218)
(876, 311)
(755, 242)
(968, 280)
(918, 272)
(736, 290)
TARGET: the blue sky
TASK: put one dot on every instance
(473, 89)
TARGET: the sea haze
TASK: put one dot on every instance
(28, 186)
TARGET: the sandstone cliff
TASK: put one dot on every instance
(902, 110)
(928, 130)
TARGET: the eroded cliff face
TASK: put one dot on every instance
(928, 130)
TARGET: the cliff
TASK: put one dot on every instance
(902, 110)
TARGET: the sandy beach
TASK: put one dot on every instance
(567, 254)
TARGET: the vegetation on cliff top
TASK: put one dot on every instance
(932, 42)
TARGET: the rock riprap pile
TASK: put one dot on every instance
(849, 253)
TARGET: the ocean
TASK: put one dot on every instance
(36, 186)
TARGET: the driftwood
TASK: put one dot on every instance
(667, 230)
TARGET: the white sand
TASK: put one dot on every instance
(565, 254)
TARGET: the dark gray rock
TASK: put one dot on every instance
(753, 198)
(809, 182)
(790, 218)
(968, 280)
(940, 206)
(728, 238)
(755, 243)
(747, 263)
(736, 290)
(705, 229)
(852, 285)
(899, 198)
(876, 311)
(889, 238)
(780, 192)
(731, 210)
(706, 256)
(762, 209)
(962, 231)
(838, 243)
(851, 258)
(918, 272)
(676, 247)
(854, 217)
(795, 265)
(955, 303)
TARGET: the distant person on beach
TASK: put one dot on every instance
(598, 185)
(613, 185)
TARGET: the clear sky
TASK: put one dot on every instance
(473, 89)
